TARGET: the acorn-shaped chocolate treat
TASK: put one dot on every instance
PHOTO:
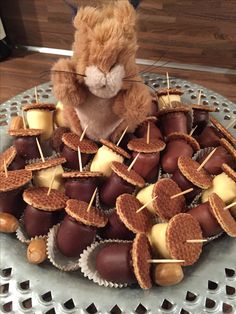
(40, 116)
(147, 162)
(122, 180)
(44, 170)
(126, 263)
(200, 117)
(78, 229)
(174, 120)
(225, 153)
(169, 98)
(80, 185)
(142, 129)
(70, 150)
(12, 185)
(43, 210)
(178, 144)
(190, 175)
(157, 198)
(11, 159)
(56, 140)
(25, 142)
(171, 240)
(224, 185)
(105, 155)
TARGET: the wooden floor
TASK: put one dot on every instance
(28, 69)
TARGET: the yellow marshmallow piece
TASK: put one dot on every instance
(41, 119)
(164, 100)
(145, 195)
(42, 178)
(157, 239)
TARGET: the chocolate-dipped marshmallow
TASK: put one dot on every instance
(200, 117)
(169, 98)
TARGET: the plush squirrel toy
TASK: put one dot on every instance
(99, 85)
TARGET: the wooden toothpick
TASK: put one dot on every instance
(181, 193)
(191, 133)
(80, 160)
(145, 205)
(196, 241)
(92, 199)
(167, 81)
(40, 150)
(5, 168)
(230, 124)
(36, 95)
(23, 118)
(52, 180)
(162, 261)
(122, 135)
(206, 160)
(199, 97)
(230, 205)
(83, 134)
(148, 133)
(133, 162)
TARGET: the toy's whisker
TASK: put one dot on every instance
(44, 72)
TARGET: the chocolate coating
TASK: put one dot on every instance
(116, 229)
(206, 219)
(175, 149)
(38, 222)
(174, 122)
(26, 147)
(112, 188)
(185, 184)
(12, 202)
(17, 163)
(80, 189)
(72, 160)
(114, 263)
(155, 132)
(73, 237)
(200, 119)
(209, 137)
(221, 155)
(56, 140)
(147, 165)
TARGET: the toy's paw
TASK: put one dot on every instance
(63, 72)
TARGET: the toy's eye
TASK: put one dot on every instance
(112, 66)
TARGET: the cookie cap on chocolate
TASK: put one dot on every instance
(38, 197)
(188, 168)
(8, 155)
(86, 146)
(184, 109)
(230, 149)
(131, 176)
(25, 132)
(118, 150)
(49, 163)
(39, 106)
(126, 206)
(223, 216)
(172, 91)
(223, 130)
(140, 145)
(164, 206)
(229, 171)
(182, 136)
(181, 228)
(82, 174)
(141, 253)
(78, 210)
(203, 108)
(14, 180)
(148, 119)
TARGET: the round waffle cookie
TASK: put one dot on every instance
(171, 91)
(25, 132)
(203, 108)
(223, 130)
(7, 156)
(14, 180)
(93, 217)
(53, 162)
(38, 106)
(73, 141)
(130, 176)
(126, 206)
(149, 119)
(181, 228)
(38, 198)
(188, 168)
(230, 149)
(182, 136)
(141, 254)
(223, 216)
(229, 171)
(140, 145)
(83, 174)
(182, 108)
(115, 148)
(164, 206)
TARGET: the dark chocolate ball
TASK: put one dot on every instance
(73, 237)
(174, 122)
(72, 160)
(210, 137)
(114, 263)
(17, 163)
(147, 165)
(12, 202)
(80, 189)
(155, 132)
(26, 147)
(200, 119)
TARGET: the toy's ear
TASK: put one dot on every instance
(86, 16)
(126, 16)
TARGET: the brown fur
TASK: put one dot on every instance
(103, 37)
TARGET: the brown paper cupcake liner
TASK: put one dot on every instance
(201, 152)
(56, 257)
(22, 235)
(87, 263)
